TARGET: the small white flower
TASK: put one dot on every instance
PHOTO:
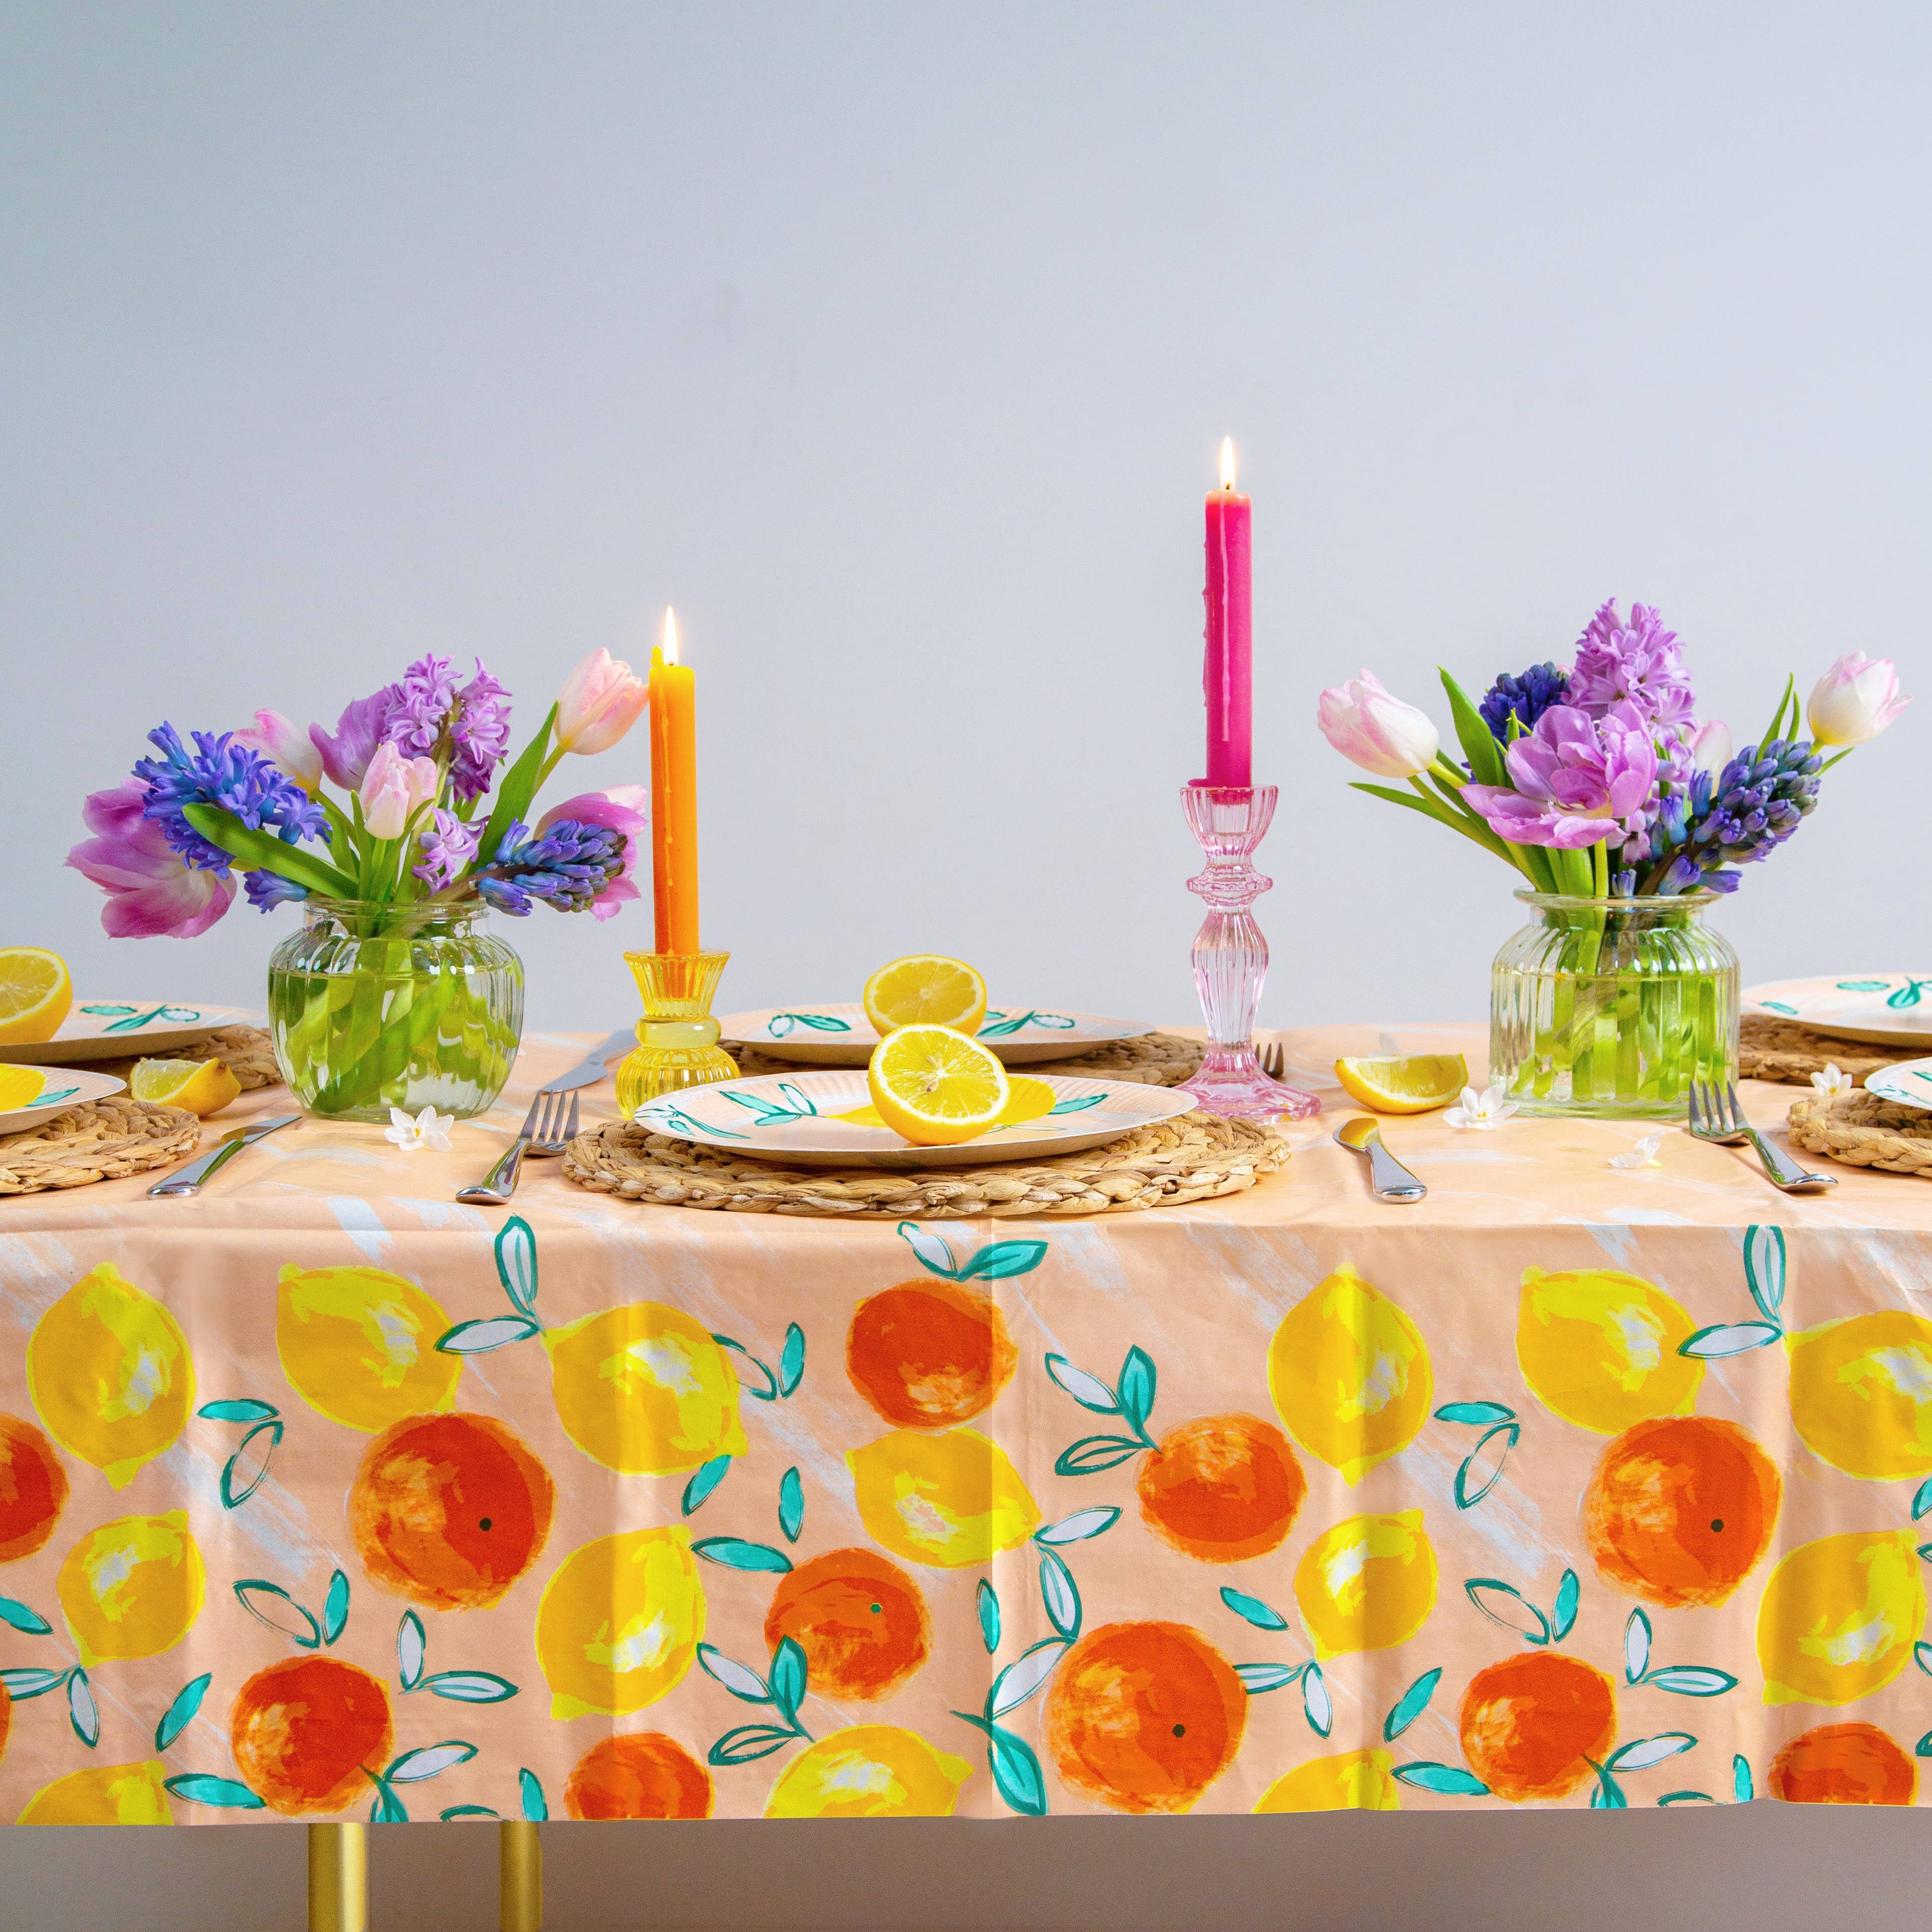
(1485, 1110)
(428, 1130)
(1834, 1080)
(1644, 1154)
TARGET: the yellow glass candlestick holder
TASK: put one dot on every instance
(677, 1038)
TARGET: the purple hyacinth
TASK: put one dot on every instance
(1574, 781)
(566, 868)
(466, 727)
(449, 845)
(267, 890)
(420, 701)
(1528, 696)
(1740, 816)
(221, 772)
(1638, 664)
(479, 733)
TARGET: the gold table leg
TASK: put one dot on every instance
(338, 1878)
(519, 1877)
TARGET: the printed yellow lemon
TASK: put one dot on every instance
(618, 1625)
(871, 1771)
(1861, 1393)
(1367, 1584)
(935, 1087)
(1358, 1780)
(109, 1371)
(20, 1087)
(203, 1087)
(1410, 1083)
(946, 1500)
(644, 1390)
(133, 1587)
(358, 1345)
(1599, 1349)
(1349, 1374)
(103, 1794)
(1839, 1617)
(926, 988)
(35, 994)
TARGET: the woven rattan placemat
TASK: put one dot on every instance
(1151, 1059)
(1194, 1158)
(101, 1141)
(1862, 1130)
(250, 1055)
(1772, 1049)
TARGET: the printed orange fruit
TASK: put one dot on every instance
(449, 1511)
(641, 1775)
(1681, 1510)
(860, 1620)
(1843, 1764)
(1144, 1716)
(1223, 1488)
(33, 1489)
(302, 1731)
(1531, 1725)
(927, 1354)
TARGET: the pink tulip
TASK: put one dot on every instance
(394, 788)
(150, 893)
(293, 751)
(1710, 747)
(622, 808)
(1854, 700)
(600, 701)
(1379, 732)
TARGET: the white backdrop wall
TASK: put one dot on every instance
(892, 345)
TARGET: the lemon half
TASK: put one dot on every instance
(925, 989)
(1410, 1083)
(203, 1087)
(35, 994)
(935, 1087)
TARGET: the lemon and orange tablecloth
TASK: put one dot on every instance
(322, 1497)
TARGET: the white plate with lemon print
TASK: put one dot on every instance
(31, 1094)
(107, 1029)
(841, 1036)
(1893, 1008)
(1910, 1083)
(827, 1120)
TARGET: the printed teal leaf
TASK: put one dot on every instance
(530, 1791)
(1729, 1338)
(1316, 1706)
(1923, 1748)
(1685, 1798)
(244, 1409)
(1093, 1454)
(788, 1675)
(1609, 1795)
(470, 1687)
(934, 1254)
(482, 1338)
(21, 1684)
(791, 1504)
(1023, 1677)
(450, 1813)
(1642, 1752)
(769, 1392)
(1907, 995)
(1740, 1780)
(999, 1260)
(1922, 1655)
(703, 1480)
(1503, 1603)
(82, 1713)
(1137, 1387)
(411, 1645)
(1075, 1104)
(1060, 1594)
(1089, 1391)
(29, 1623)
(1078, 1527)
(1922, 1499)
(743, 1683)
(1563, 1612)
(987, 1601)
(1016, 1772)
(1636, 1647)
(1252, 1609)
(198, 1789)
(269, 1603)
(1449, 1780)
(388, 1808)
(734, 1553)
(1257, 1679)
(1691, 1680)
(791, 1359)
(1479, 1413)
(176, 1718)
(749, 1742)
(516, 1246)
(428, 1761)
(1410, 1705)
(335, 1608)
(1477, 1475)
(242, 1473)
(1764, 1270)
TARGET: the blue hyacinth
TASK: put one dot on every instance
(267, 890)
(566, 868)
(1528, 697)
(219, 772)
(1739, 818)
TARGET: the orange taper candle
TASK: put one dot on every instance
(673, 796)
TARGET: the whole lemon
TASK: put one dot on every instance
(644, 1390)
(133, 1587)
(1367, 1584)
(946, 1500)
(103, 1794)
(871, 1771)
(1839, 1617)
(1599, 1348)
(1861, 1393)
(109, 1371)
(1358, 1780)
(618, 1624)
(358, 1345)
(1349, 1374)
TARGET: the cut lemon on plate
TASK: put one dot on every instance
(925, 989)
(1027, 1100)
(35, 994)
(935, 1087)
(1411, 1083)
(20, 1087)
(203, 1087)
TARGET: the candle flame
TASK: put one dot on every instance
(670, 636)
(1227, 462)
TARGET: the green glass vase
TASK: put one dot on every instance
(372, 1007)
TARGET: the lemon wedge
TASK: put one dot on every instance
(935, 1087)
(203, 1087)
(20, 1087)
(1411, 1084)
(925, 989)
(35, 994)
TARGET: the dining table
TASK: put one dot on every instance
(1590, 1478)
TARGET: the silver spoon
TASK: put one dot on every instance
(1387, 1176)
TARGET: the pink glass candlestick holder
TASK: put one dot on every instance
(1230, 957)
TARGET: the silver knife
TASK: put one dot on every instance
(594, 1068)
(188, 1180)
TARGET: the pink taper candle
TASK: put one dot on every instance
(1226, 671)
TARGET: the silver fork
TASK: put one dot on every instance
(1272, 1054)
(1716, 1114)
(545, 1133)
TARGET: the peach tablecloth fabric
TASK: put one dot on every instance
(1689, 1580)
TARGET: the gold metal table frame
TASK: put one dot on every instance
(338, 1877)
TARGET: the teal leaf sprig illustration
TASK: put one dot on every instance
(782, 1026)
(83, 1714)
(242, 1473)
(1410, 1705)
(1641, 1754)
(516, 1251)
(181, 1712)
(1132, 1399)
(132, 1019)
(16, 1616)
(1504, 1604)
(771, 1386)
(223, 1794)
(998, 1025)
(269, 1603)
(791, 1504)
(1686, 1680)
(1764, 1275)
(986, 1604)
(1908, 994)
(783, 1691)
(412, 1767)
(734, 1552)
(1478, 1472)
(703, 1480)
(666, 1117)
(461, 1686)
(1742, 1790)
(998, 1261)
(1446, 1781)
(1317, 1706)
(535, 1807)
(798, 1105)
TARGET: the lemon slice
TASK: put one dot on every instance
(925, 989)
(1410, 1085)
(20, 1087)
(1029, 1100)
(203, 1087)
(935, 1087)
(35, 994)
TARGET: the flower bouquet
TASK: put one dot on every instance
(1627, 816)
(392, 994)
